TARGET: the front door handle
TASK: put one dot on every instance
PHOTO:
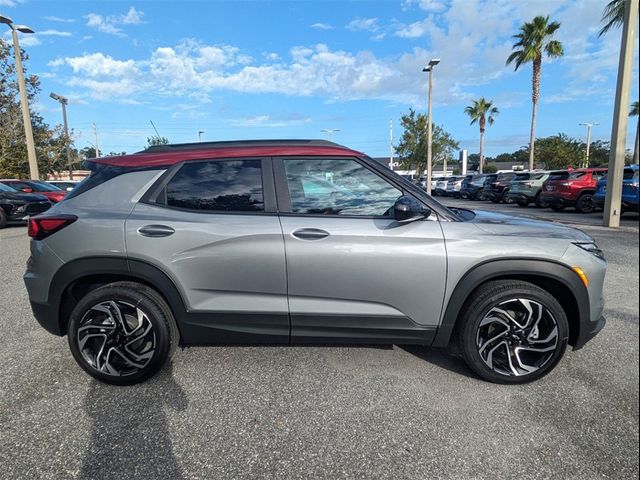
(156, 231)
(310, 233)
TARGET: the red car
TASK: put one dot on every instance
(572, 188)
(53, 193)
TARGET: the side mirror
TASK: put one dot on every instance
(27, 190)
(408, 209)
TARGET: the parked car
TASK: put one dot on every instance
(441, 187)
(453, 186)
(434, 183)
(574, 188)
(228, 242)
(66, 185)
(16, 207)
(53, 193)
(630, 191)
(500, 187)
(525, 188)
(476, 188)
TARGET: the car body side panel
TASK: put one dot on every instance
(366, 267)
(228, 267)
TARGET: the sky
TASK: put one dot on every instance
(278, 69)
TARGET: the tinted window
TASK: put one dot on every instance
(558, 176)
(5, 188)
(228, 186)
(43, 187)
(522, 176)
(630, 174)
(576, 175)
(338, 187)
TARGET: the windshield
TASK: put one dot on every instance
(6, 189)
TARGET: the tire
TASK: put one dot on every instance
(3, 218)
(494, 354)
(134, 352)
(541, 203)
(557, 208)
(495, 199)
(523, 203)
(585, 203)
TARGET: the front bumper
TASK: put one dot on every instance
(554, 200)
(588, 331)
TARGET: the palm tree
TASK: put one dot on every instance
(482, 111)
(634, 113)
(534, 40)
(612, 16)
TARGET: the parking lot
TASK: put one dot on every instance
(324, 412)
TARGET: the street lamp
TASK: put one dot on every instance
(26, 117)
(200, 132)
(429, 68)
(64, 101)
(330, 132)
(588, 125)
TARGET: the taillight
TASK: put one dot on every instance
(42, 227)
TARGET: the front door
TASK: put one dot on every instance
(354, 274)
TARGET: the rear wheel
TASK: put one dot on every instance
(557, 208)
(122, 333)
(523, 203)
(513, 332)
(3, 218)
(541, 203)
(585, 203)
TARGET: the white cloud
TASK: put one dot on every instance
(9, 3)
(111, 23)
(53, 33)
(322, 26)
(267, 121)
(59, 19)
(364, 24)
(98, 65)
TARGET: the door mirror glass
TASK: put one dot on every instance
(408, 209)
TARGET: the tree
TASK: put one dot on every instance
(634, 113)
(412, 147)
(481, 112)
(534, 40)
(157, 140)
(559, 151)
(50, 143)
(612, 16)
(598, 153)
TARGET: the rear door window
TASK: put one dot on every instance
(217, 186)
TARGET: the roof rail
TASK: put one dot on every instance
(173, 147)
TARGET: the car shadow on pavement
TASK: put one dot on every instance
(440, 358)
(130, 435)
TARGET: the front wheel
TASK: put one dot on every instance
(3, 218)
(513, 332)
(541, 203)
(122, 333)
(523, 203)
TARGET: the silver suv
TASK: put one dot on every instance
(297, 242)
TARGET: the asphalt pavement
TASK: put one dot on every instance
(322, 412)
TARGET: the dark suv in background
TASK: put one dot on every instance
(17, 207)
(498, 189)
(476, 187)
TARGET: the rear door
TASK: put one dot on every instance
(354, 273)
(212, 227)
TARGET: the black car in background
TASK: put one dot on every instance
(499, 187)
(17, 207)
(475, 188)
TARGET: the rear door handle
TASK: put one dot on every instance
(310, 233)
(156, 231)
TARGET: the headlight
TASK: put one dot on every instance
(591, 248)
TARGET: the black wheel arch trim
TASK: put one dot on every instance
(121, 266)
(520, 268)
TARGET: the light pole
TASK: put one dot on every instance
(588, 125)
(429, 68)
(330, 132)
(64, 101)
(200, 132)
(24, 101)
(613, 200)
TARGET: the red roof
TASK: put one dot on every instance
(167, 158)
